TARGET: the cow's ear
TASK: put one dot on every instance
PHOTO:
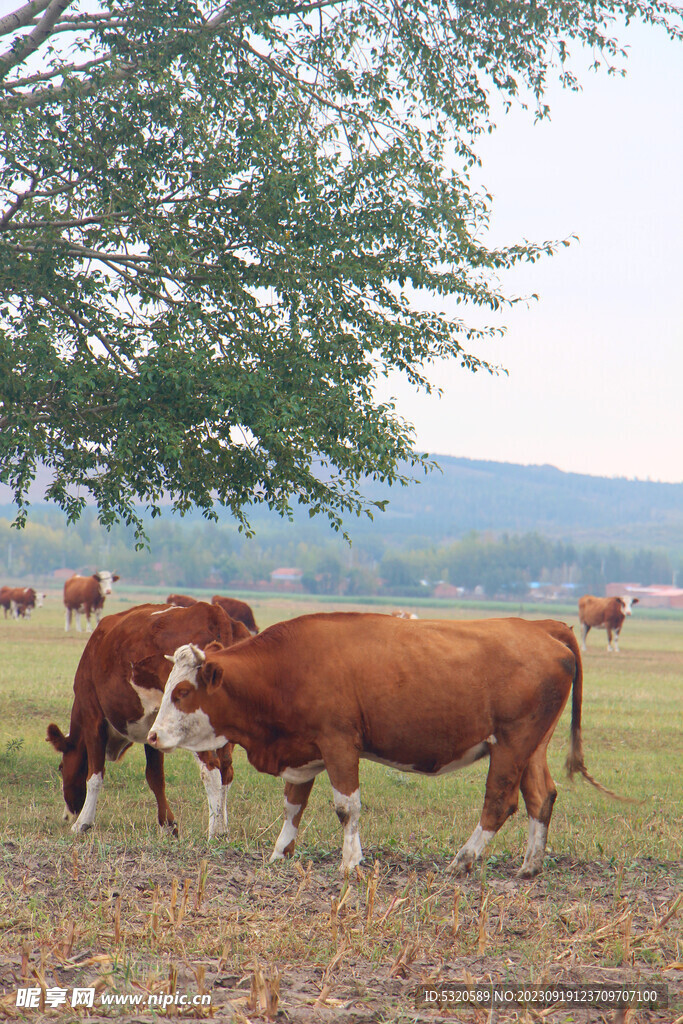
(59, 741)
(635, 600)
(210, 676)
(215, 645)
(115, 578)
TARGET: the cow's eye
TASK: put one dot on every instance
(180, 693)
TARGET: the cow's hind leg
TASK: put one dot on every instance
(296, 798)
(342, 770)
(585, 629)
(156, 781)
(502, 797)
(539, 792)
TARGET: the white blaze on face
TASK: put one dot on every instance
(628, 604)
(105, 580)
(175, 728)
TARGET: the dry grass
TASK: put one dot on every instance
(126, 910)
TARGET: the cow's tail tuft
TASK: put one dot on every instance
(575, 762)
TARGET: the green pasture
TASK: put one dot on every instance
(125, 909)
(632, 717)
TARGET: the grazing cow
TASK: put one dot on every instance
(604, 613)
(181, 600)
(401, 613)
(237, 610)
(20, 601)
(321, 691)
(87, 594)
(118, 687)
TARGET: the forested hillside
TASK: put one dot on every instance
(474, 524)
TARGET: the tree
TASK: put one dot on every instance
(213, 224)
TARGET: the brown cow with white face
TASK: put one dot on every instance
(118, 688)
(604, 613)
(87, 594)
(20, 601)
(322, 691)
(238, 610)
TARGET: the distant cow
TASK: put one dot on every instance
(87, 594)
(20, 601)
(237, 610)
(321, 691)
(181, 600)
(118, 688)
(401, 613)
(604, 613)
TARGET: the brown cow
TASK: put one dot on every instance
(25, 599)
(321, 691)
(604, 613)
(181, 600)
(117, 690)
(87, 594)
(238, 610)
(20, 601)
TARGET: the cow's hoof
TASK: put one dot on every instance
(461, 865)
(82, 826)
(528, 871)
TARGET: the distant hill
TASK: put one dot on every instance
(504, 497)
(501, 497)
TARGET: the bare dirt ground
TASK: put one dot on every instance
(295, 943)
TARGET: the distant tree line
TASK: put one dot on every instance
(194, 554)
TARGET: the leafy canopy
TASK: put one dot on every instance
(214, 221)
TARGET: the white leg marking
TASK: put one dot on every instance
(288, 833)
(473, 849)
(67, 624)
(535, 851)
(348, 812)
(86, 819)
(213, 787)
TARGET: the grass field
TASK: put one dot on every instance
(127, 910)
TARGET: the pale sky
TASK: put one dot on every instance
(595, 366)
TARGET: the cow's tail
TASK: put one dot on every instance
(575, 762)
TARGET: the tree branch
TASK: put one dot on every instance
(26, 45)
(22, 17)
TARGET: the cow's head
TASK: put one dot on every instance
(105, 580)
(39, 600)
(73, 767)
(182, 720)
(627, 603)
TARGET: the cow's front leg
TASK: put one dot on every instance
(609, 639)
(296, 798)
(216, 778)
(154, 773)
(96, 743)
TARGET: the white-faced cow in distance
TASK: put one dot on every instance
(87, 594)
(118, 688)
(20, 601)
(322, 691)
(238, 610)
(604, 613)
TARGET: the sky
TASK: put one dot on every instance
(595, 367)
